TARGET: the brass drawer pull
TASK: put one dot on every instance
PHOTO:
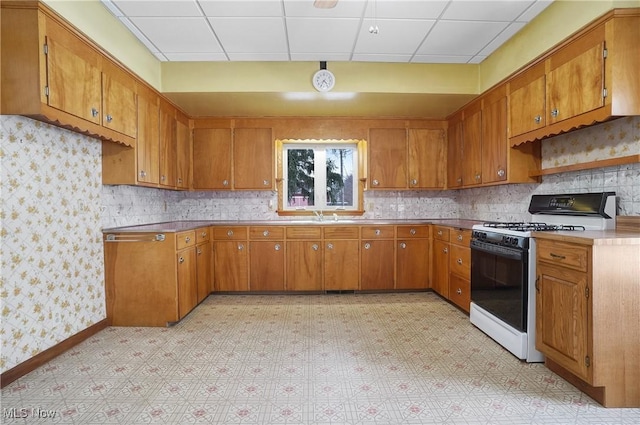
(556, 256)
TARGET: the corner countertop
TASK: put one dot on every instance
(592, 237)
(186, 225)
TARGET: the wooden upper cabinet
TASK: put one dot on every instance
(472, 145)
(387, 158)
(168, 145)
(183, 151)
(494, 136)
(253, 158)
(73, 74)
(212, 158)
(527, 99)
(148, 138)
(118, 100)
(52, 73)
(454, 152)
(575, 81)
(427, 158)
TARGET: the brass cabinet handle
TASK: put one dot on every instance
(556, 256)
(187, 239)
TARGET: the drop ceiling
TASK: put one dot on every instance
(408, 32)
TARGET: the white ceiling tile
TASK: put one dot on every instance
(485, 10)
(403, 9)
(440, 59)
(325, 56)
(173, 8)
(364, 57)
(394, 36)
(343, 9)
(501, 38)
(196, 57)
(317, 35)
(174, 35)
(534, 10)
(257, 57)
(253, 8)
(460, 38)
(139, 35)
(245, 35)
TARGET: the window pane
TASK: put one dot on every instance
(339, 182)
(300, 177)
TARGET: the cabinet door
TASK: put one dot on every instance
(440, 282)
(460, 291)
(562, 318)
(212, 158)
(341, 265)
(413, 264)
(266, 266)
(472, 147)
(387, 158)
(377, 264)
(203, 270)
(494, 138)
(187, 281)
(575, 82)
(118, 100)
(168, 146)
(527, 101)
(454, 153)
(183, 153)
(230, 266)
(253, 158)
(304, 266)
(427, 151)
(73, 74)
(148, 139)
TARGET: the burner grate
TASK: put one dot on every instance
(532, 226)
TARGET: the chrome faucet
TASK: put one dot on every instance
(319, 215)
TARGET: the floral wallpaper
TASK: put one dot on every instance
(613, 139)
(52, 273)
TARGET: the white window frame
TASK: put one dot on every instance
(320, 193)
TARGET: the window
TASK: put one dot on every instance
(318, 175)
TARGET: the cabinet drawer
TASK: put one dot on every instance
(460, 237)
(303, 232)
(460, 291)
(230, 233)
(460, 261)
(266, 232)
(340, 232)
(441, 233)
(377, 232)
(407, 232)
(564, 254)
(185, 239)
(203, 234)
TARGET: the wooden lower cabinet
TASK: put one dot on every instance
(413, 260)
(440, 282)
(377, 264)
(341, 265)
(204, 273)
(187, 281)
(587, 310)
(266, 265)
(304, 265)
(230, 266)
(150, 278)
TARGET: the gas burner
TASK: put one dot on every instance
(532, 226)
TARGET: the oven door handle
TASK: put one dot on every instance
(500, 251)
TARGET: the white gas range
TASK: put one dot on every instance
(503, 265)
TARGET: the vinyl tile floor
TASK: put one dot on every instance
(395, 358)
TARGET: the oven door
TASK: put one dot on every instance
(499, 282)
